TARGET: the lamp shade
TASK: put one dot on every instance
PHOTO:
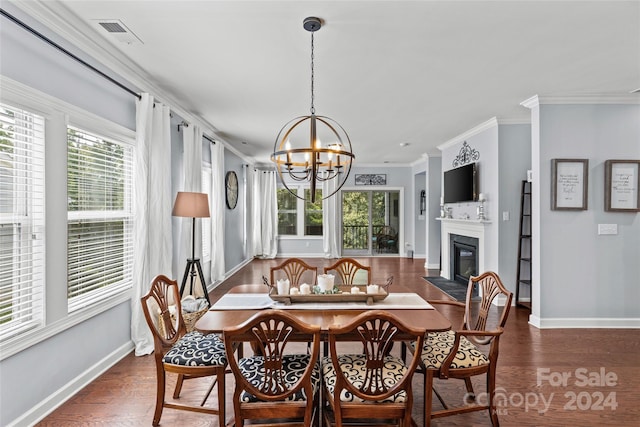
(191, 205)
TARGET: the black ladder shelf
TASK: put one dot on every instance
(523, 275)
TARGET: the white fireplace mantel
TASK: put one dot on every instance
(462, 227)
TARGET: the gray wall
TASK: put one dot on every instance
(434, 184)
(574, 261)
(419, 219)
(514, 142)
(234, 253)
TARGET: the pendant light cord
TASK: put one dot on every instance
(313, 108)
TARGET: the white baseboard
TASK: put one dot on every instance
(48, 405)
(432, 266)
(584, 323)
(301, 255)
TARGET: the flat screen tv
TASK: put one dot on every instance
(460, 184)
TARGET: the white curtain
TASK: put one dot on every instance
(153, 204)
(217, 209)
(264, 216)
(192, 182)
(330, 235)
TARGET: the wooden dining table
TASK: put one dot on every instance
(215, 321)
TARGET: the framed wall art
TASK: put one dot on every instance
(371, 179)
(622, 185)
(569, 183)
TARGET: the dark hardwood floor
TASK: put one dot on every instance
(552, 377)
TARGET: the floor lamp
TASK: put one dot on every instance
(192, 205)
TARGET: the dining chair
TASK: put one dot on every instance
(278, 385)
(387, 238)
(187, 354)
(457, 354)
(348, 271)
(296, 270)
(371, 385)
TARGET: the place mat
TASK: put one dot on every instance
(394, 301)
(243, 302)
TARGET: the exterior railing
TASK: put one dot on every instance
(357, 236)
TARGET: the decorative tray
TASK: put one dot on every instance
(344, 296)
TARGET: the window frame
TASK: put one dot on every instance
(126, 215)
(29, 219)
(300, 213)
(58, 115)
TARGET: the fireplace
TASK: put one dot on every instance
(486, 254)
(463, 258)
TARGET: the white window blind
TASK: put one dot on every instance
(100, 217)
(21, 221)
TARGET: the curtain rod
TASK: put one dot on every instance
(65, 51)
(185, 124)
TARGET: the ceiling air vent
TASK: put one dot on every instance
(116, 29)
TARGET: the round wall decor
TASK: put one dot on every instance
(231, 192)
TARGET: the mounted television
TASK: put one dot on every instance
(461, 184)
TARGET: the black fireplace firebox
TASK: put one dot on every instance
(464, 258)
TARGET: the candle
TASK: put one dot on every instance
(441, 201)
(481, 197)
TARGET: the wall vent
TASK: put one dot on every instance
(117, 30)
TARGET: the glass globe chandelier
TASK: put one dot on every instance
(313, 148)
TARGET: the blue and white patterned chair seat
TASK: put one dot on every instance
(354, 365)
(438, 345)
(294, 365)
(197, 349)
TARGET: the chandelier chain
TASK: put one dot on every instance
(313, 108)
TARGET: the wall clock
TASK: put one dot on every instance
(231, 184)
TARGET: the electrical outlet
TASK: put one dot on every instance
(505, 216)
(607, 229)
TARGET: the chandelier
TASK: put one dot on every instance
(313, 148)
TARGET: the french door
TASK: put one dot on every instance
(370, 222)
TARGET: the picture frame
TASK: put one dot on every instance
(569, 184)
(622, 185)
(371, 179)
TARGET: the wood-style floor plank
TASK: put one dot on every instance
(125, 394)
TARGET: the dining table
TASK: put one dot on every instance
(244, 301)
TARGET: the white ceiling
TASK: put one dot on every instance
(390, 72)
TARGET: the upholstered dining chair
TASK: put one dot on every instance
(373, 384)
(348, 271)
(187, 354)
(457, 353)
(277, 385)
(296, 270)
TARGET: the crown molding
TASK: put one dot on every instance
(523, 120)
(593, 99)
(492, 122)
(381, 165)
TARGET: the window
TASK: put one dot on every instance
(287, 213)
(100, 217)
(297, 217)
(312, 213)
(21, 221)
